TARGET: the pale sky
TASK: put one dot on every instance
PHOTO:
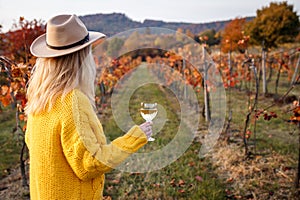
(195, 11)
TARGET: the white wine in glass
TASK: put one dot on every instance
(149, 112)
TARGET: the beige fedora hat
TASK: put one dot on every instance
(65, 34)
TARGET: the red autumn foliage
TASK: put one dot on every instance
(15, 43)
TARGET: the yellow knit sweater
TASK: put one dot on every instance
(68, 150)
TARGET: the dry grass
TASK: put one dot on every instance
(260, 177)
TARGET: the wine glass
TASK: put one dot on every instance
(149, 112)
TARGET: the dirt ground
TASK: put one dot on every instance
(11, 186)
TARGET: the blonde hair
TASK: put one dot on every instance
(57, 76)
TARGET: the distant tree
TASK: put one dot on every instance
(114, 47)
(233, 33)
(274, 25)
(189, 33)
(133, 41)
(210, 36)
(148, 31)
(161, 42)
(15, 43)
(179, 34)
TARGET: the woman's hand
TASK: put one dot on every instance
(147, 128)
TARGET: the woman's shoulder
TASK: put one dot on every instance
(76, 99)
(75, 95)
(79, 94)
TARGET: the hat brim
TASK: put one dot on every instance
(39, 46)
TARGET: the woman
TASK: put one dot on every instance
(67, 147)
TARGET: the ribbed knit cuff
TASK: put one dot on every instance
(134, 139)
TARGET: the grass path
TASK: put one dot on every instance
(189, 177)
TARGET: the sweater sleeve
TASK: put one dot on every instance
(84, 144)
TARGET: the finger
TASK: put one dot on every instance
(148, 123)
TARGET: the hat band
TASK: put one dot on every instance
(81, 42)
